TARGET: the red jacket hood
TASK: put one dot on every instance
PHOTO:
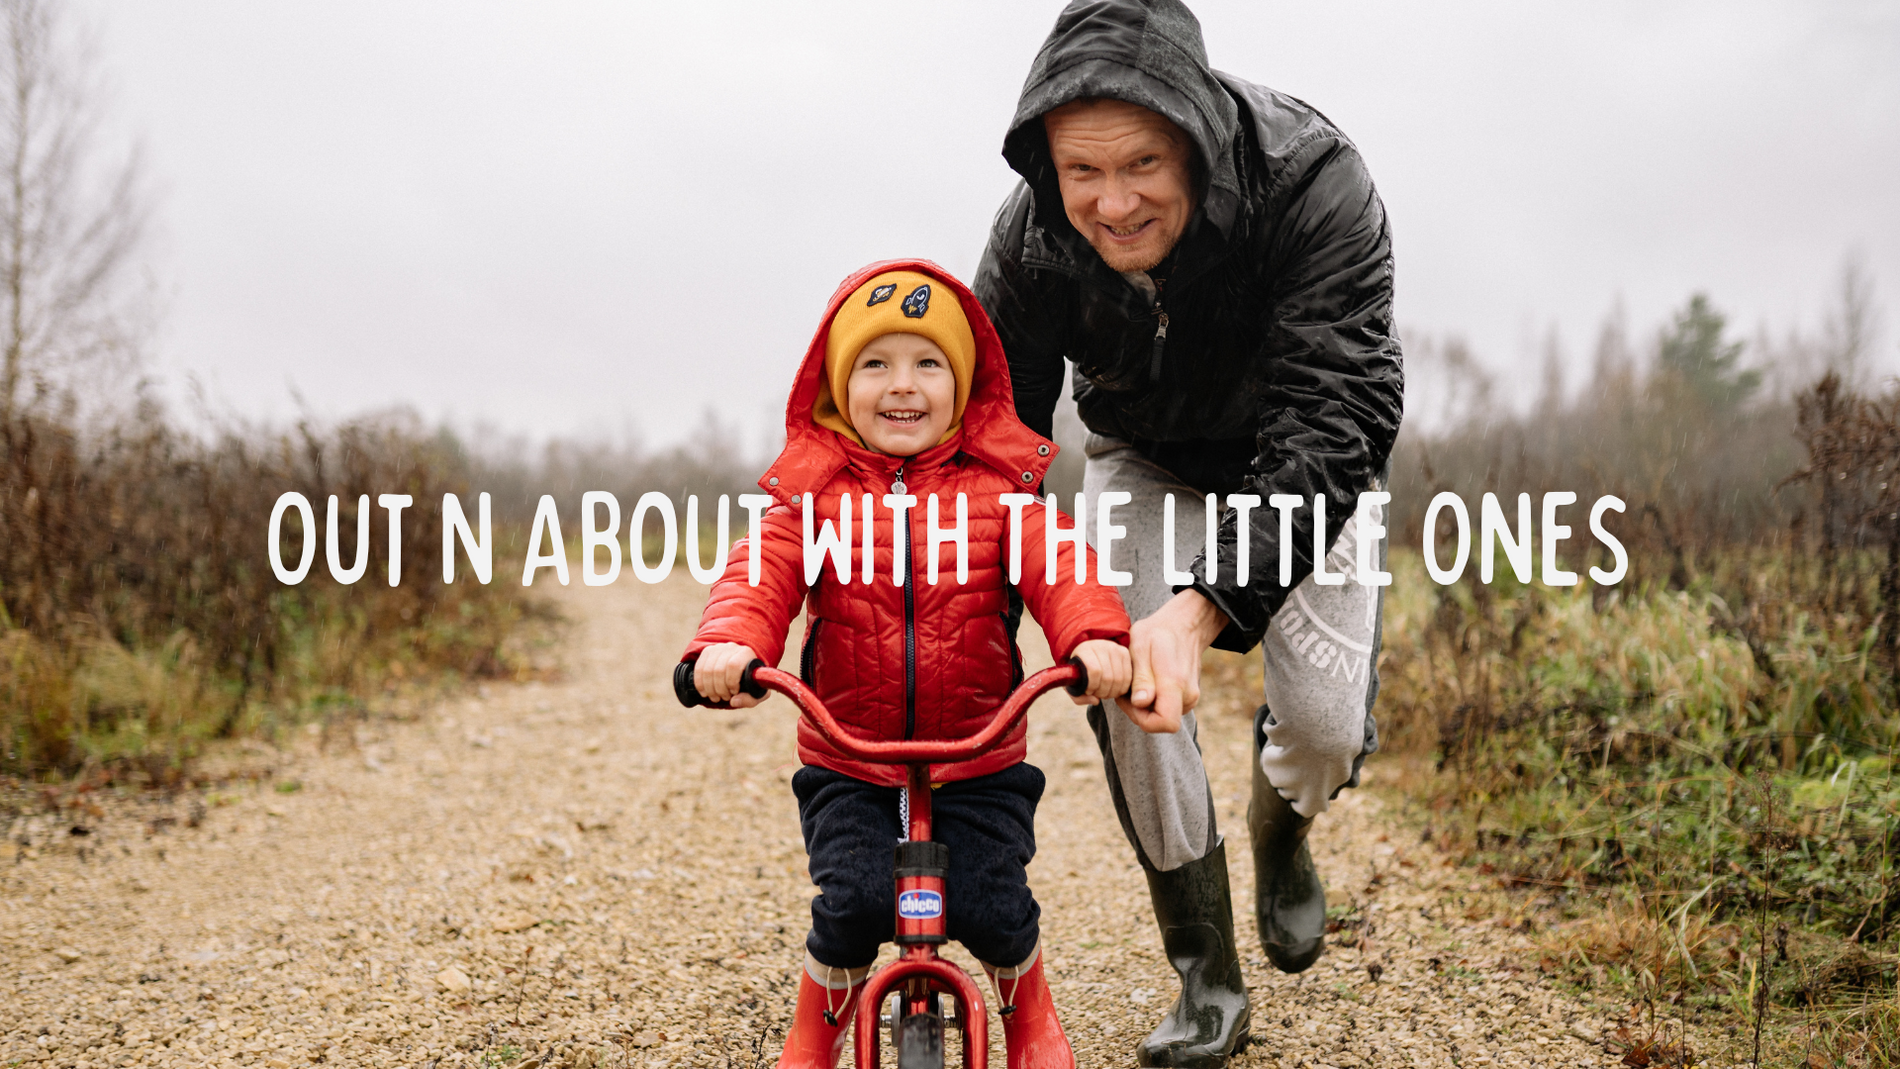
(991, 432)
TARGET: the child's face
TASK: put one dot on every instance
(901, 394)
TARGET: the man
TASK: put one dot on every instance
(1213, 258)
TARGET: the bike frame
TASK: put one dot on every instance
(918, 969)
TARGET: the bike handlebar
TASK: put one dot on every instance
(760, 678)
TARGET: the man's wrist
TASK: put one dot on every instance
(1203, 618)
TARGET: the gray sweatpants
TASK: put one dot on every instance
(1320, 656)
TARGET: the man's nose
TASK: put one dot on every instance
(1118, 200)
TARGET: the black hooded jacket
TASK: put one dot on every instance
(1279, 371)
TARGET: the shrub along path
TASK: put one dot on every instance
(583, 873)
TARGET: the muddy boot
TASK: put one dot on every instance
(1195, 911)
(1289, 900)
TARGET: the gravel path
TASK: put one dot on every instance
(583, 873)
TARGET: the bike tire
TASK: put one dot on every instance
(918, 1037)
(919, 1041)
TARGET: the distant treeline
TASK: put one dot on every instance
(1717, 445)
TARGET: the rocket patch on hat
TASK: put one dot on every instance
(918, 302)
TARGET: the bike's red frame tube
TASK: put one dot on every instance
(918, 966)
(923, 887)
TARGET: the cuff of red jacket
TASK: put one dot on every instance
(1117, 635)
(767, 651)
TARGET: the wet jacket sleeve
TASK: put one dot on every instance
(1068, 612)
(1331, 415)
(1026, 319)
(757, 616)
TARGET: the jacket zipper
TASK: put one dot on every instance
(1015, 657)
(1160, 314)
(910, 621)
(1161, 334)
(808, 658)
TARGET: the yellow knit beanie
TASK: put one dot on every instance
(895, 302)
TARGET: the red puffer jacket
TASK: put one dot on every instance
(914, 660)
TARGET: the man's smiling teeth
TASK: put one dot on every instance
(906, 415)
(1127, 231)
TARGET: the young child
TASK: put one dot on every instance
(904, 390)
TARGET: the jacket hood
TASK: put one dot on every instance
(1144, 52)
(991, 432)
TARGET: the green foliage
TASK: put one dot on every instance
(1694, 351)
(1703, 781)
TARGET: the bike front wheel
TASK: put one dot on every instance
(918, 1038)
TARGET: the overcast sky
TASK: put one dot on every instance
(576, 218)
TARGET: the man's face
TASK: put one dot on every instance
(1125, 178)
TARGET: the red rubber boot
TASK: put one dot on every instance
(819, 1024)
(1031, 1033)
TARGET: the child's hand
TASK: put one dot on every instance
(1110, 670)
(717, 673)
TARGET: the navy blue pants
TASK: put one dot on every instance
(851, 834)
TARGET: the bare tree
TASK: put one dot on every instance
(1851, 326)
(70, 221)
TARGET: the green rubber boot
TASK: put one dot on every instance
(1289, 899)
(1208, 1022)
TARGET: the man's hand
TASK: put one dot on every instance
(1109, 667)
(718, 671)
(1166, 649)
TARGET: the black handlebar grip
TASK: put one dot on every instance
(688, 692)
(748, 684)
(1081, 684)
(683, 687)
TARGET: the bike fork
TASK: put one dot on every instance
(917, 1032)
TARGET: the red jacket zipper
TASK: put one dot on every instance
(910, 620)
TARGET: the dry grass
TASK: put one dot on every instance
(1692, 770)
(139, 616)
(1708, 829)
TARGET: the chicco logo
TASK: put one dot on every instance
(919, 905)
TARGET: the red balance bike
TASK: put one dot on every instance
(918, 977)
